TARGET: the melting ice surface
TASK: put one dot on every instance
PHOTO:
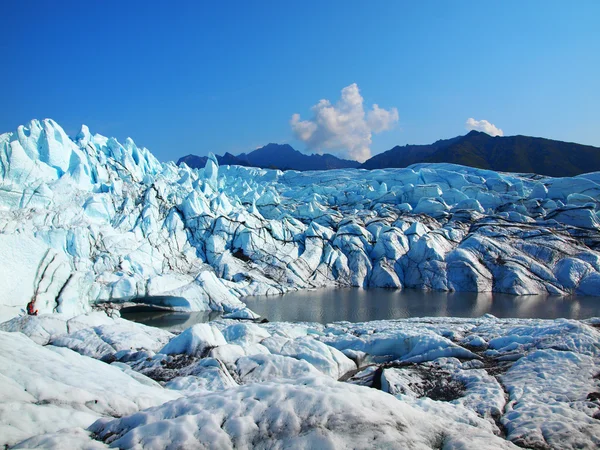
(362, 305)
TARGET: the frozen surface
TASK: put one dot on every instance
(410, 383)
(549, 404)
(195, 340)
(307, 413)
(95, 334)
(46, 389)
(86, 219)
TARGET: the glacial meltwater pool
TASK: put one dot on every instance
(359, 305)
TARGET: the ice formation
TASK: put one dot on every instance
(89, 220)
(412, 383)
(86, 220)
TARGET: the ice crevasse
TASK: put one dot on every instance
(86, 219)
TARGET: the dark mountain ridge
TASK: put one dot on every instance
(403, 156)
(276, 156)
(227, 159)
(521, 154)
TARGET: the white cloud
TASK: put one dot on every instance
(343, 128)
(380, 119)
(485, 126)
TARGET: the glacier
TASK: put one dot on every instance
(87, 223)
(88, 220)
(98, 381)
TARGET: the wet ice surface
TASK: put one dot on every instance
(412, 383)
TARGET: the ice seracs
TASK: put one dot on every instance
(86, 220)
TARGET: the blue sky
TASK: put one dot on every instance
(194, 77)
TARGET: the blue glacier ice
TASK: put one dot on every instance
(86, 220)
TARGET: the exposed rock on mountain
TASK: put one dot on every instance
(275, 156)
(521, 154)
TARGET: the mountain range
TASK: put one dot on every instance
(276, 156)
(521, 154)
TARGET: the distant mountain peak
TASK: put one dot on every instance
(276, 156)
(521, 154)
(272, 146)
(275, 144)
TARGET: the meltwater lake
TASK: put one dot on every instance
(360, 305)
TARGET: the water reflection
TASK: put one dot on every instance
(176, 321)
(358, 305)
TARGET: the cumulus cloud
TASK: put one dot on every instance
(344, 128)
(483, 125)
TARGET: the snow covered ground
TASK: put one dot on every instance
(94, 381)
(87, 219)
